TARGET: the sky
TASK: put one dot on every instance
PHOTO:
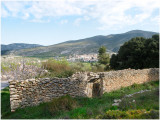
(55, 21)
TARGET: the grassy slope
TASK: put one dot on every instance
(89, 107)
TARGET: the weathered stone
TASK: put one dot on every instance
(32, 92)
(115, 104)
(14, 96)
(11, 86)
(117, 100)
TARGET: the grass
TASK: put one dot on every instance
(5, 101)
(85, 108)
(144, 98)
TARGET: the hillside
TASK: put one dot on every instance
(16, 46)
(84, 46)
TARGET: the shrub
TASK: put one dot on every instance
(130, 114)
(98, 68)
(79, 66)
(56, 65)
(153, 114)
(143, 114)
(64, 103)
(58, 68)
(114, 114)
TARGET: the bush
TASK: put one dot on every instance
(137, 53)
(153, 114)
(98, 68)
(114, 114)
(56, 65)
(64, 103)
(58, 68)
(81, 67)
(143, 114)
(130, 114)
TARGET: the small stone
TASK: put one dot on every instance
(11, 86)
(14, 96)
(12, 110)
(117, 100)
(65, 92)
(115, 104)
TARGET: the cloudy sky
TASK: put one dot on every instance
(55, 21)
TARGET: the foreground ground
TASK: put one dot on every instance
(140, 105)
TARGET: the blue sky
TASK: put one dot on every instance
(52, 22)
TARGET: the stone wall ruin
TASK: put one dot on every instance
(31, 92)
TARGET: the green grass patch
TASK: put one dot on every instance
(150, 100)
(5, 101)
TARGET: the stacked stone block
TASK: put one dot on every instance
(31, 92)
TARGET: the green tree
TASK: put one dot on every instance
(152, 52)
(103, 57)
(114, 61)
(137, 53)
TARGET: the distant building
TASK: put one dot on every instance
(84, 58)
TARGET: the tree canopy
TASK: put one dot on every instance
(103, 57)
(137, 53)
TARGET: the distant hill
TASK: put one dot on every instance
(84, 46)
(16, 46)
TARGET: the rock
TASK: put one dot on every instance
(15, 96)
(117, 100)
(11, 86)
(115, 104)
(65, 92)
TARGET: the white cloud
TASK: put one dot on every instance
(64, 21)
(26, 16)
(14, 7)
(4, 13)
(77, 21)
(108, 13)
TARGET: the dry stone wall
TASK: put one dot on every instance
(34, 91)
(116, 79)
(31, 92)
